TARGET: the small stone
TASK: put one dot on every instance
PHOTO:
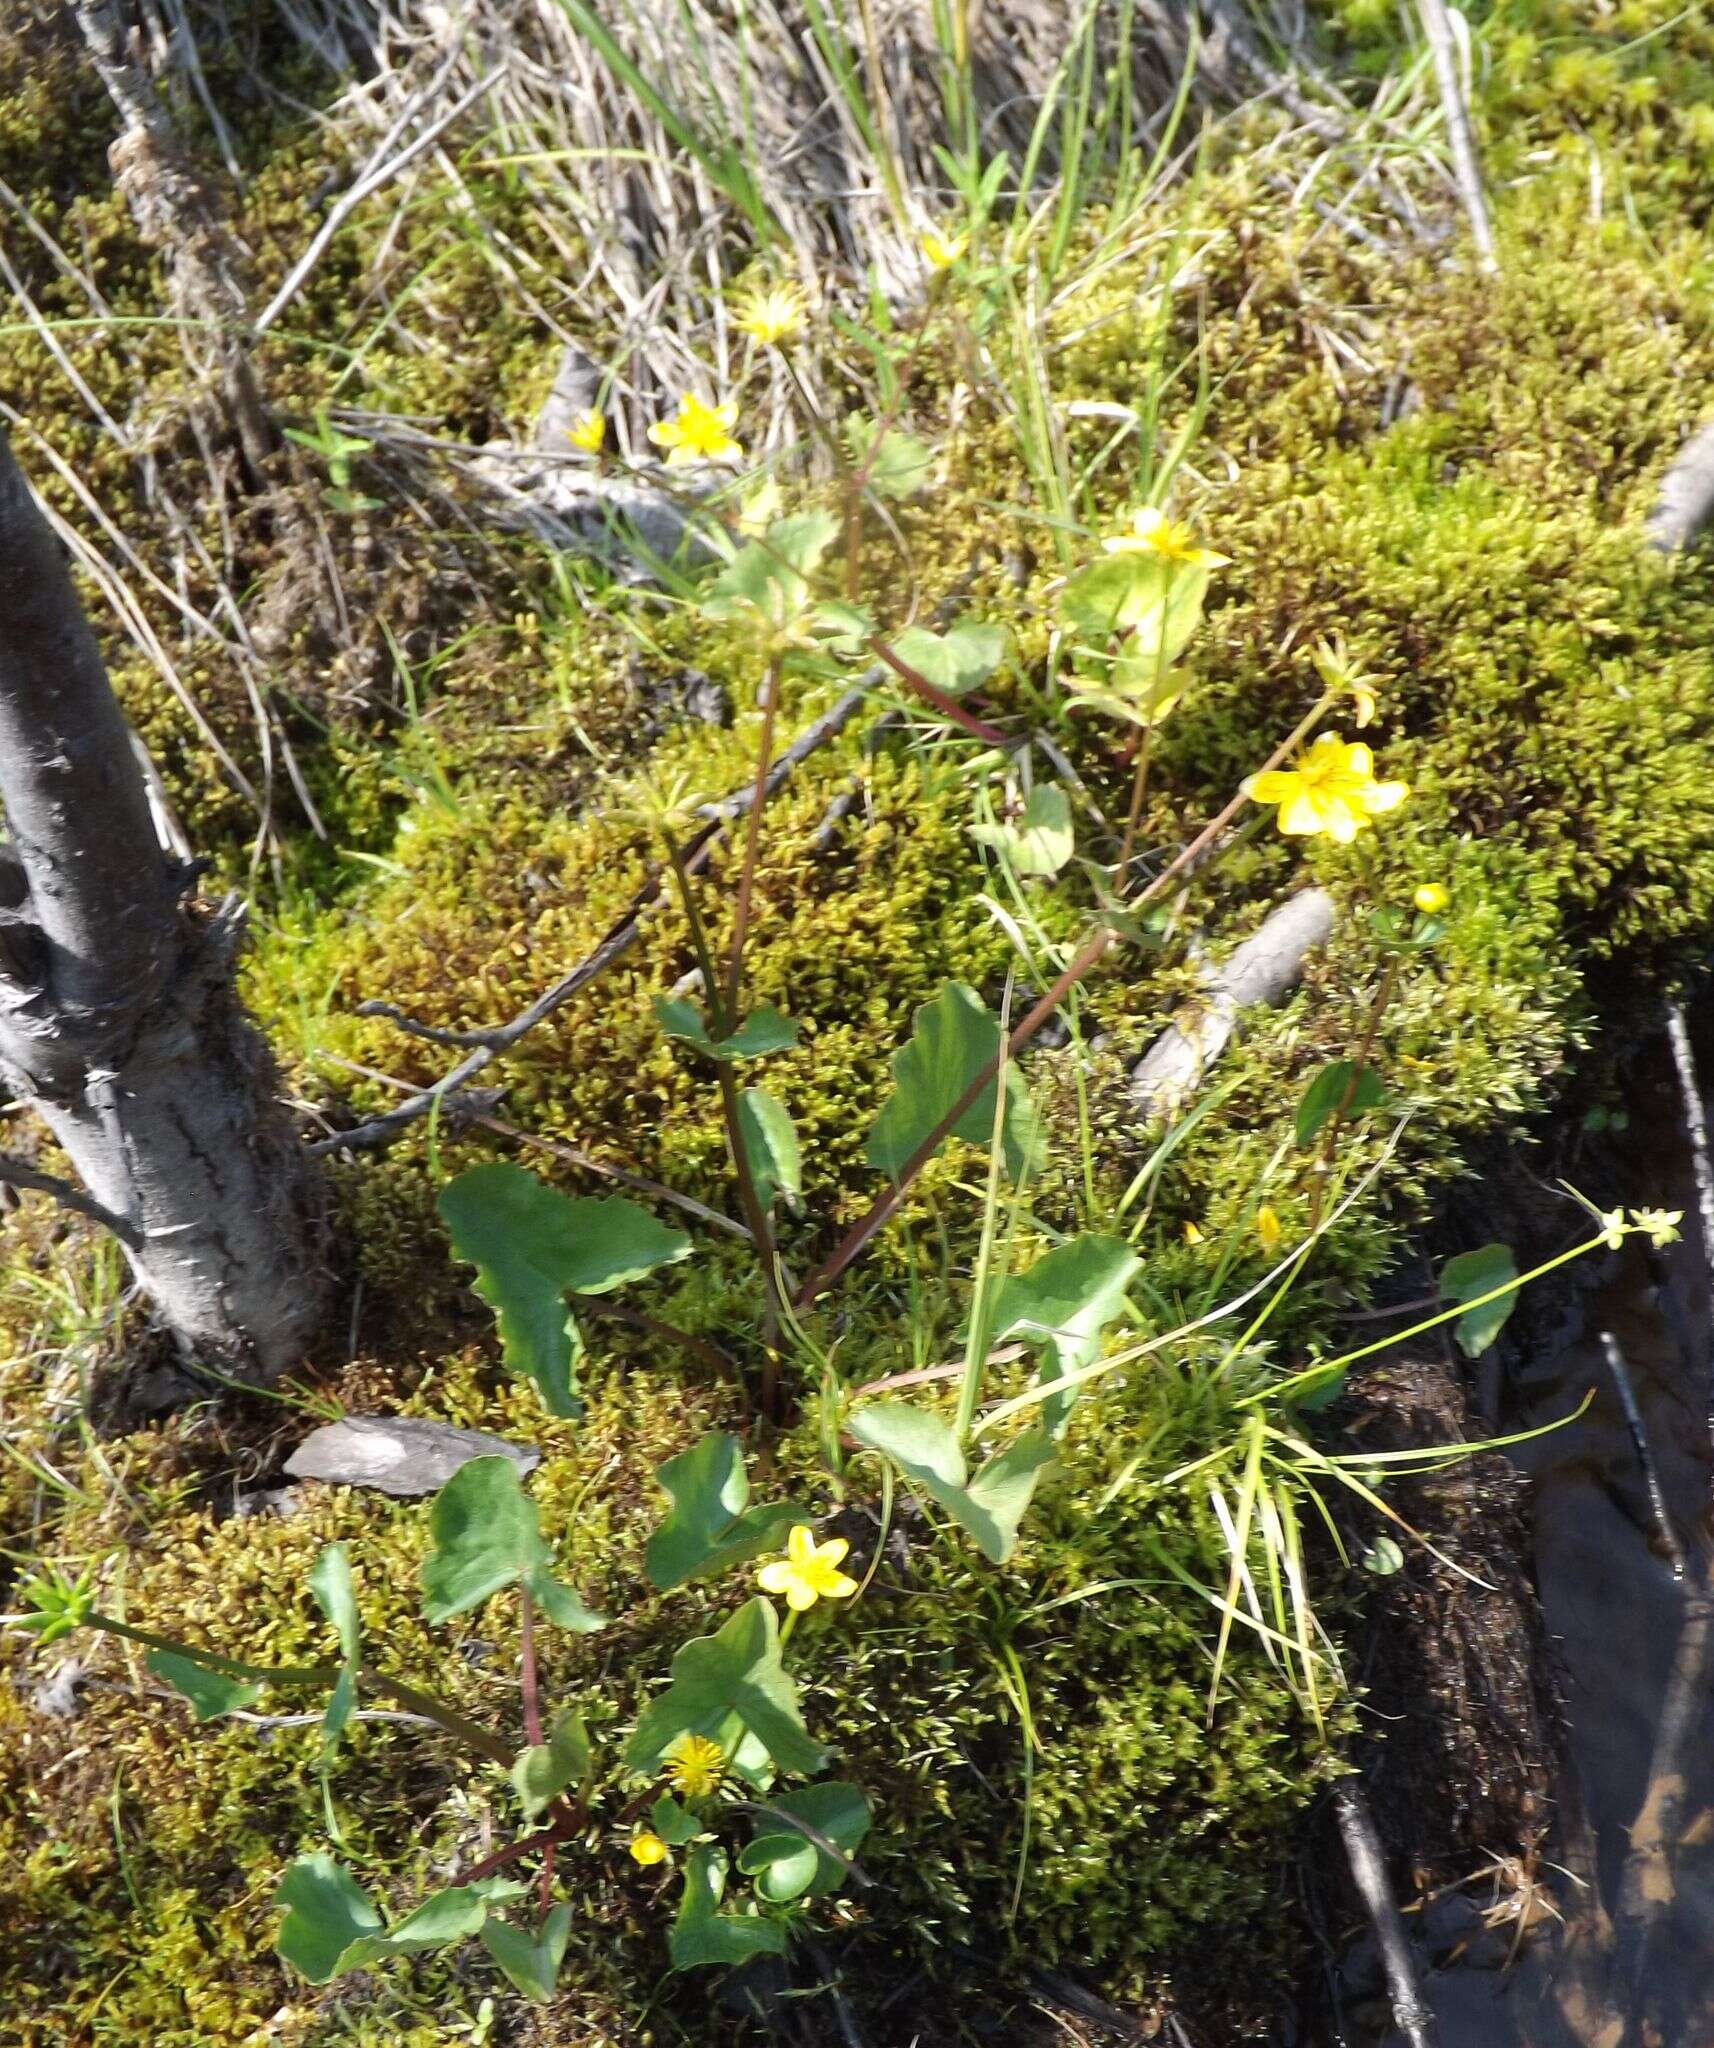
(398, 1454)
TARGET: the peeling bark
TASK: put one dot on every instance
(119, 1023)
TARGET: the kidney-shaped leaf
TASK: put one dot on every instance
(925, 1450)
(545, 1769)
(327, 1914)
(786, 1862)
(532, 1963)
(1063, 1304)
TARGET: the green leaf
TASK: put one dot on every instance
(957, 661)
(486, 1537)
(763, 1031)
(1383, 1557)
(846, 628)
(531, 1245)
(1151, 607)
(711, 1524)
(1327, 1090)
(1474, 1273)
(702, 1934)
(770, 579)
(923, 1447)
(675, 1824)
(786, 1863)
(532, 1965)
(210, 1694)
(327, 1914)
(544, 1770)
(770, 1148)
(734, 1672)
(952, 1039)
(899, 468)
(336, 1596)
(1063, 1305)
(1040, 840)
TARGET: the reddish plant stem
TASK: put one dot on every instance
(948, 707)
(1087, 957)
(527, 1668)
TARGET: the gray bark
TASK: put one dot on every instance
(1684, 505)
(119, 1023)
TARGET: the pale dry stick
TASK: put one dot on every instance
(1466, 171)
(1412, 2014)
(619, 937)
(1645, 1455)
(378, 171)
(1696, 1127)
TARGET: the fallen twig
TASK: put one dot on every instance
(1645, 1453)
(1363, 1851)
(18, 1173)
(1264, 969)
(1466, 171)
(620, 936)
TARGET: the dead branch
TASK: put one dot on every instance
(1684, 503)
(1411, 2012)
(1466, 170)
(1264, 969)
(617, 940)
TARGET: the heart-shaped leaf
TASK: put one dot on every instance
(327, 1914)
(925, 1450)
(531, 1246)
(674, 1823)
(711, 1524)
(1475, 1273)
(702, 1934)
(952, 1039)
(532, 1963)
(735, 1672)
(770, 580)
(764, 1031)
(1143, 606)
(543, 1771)
(487, 1536)
(957, 661)
(210, 1693)
(899, 467)
(1327, 1090)
(1063, 1305)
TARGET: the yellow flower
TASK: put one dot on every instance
(648, 1849)
(696, 1766)
(1612, 1222)
(697, 432)
(1192, 1235)
(772, 313)
(943, 251)
(1153, 533)
(588, 431)
(1431, 898)
(1661, 1225)
(1342, 675)
(1332, 789)
(1268, 1227)
(809, 1571)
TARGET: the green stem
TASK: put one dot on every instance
(770, 702)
